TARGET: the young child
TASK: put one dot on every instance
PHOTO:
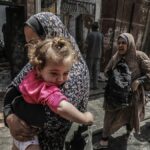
(52, 60)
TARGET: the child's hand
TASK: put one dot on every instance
(89, 118)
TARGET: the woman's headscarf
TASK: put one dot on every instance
(47, 25)
(36, 26)
(131, 48)
(130, 55)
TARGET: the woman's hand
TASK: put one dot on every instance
(19, 129)
(135, 85)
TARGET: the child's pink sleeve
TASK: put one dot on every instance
(52, 97)
(38, 92)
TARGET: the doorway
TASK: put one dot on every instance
(12, 53)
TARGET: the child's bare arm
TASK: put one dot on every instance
(69, 112)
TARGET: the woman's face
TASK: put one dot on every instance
(30, 35)
(122, 46)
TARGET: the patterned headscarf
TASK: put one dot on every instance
(36, 26)
(52, 26)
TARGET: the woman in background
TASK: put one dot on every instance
(129, 116)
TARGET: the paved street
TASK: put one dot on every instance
(117, 141)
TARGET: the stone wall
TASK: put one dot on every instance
(30, 8)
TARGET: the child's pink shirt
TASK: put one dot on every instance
(37, 91)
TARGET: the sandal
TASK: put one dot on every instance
(98, 146)
(127, 135)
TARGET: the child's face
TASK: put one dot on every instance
(56, 74)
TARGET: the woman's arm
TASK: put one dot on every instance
(18, 128)
(10, 94)
(12, 91)
(144, 65)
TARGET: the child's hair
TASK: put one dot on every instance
(57, 50)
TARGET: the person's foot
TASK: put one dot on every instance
(132, 140)
(139, 137)
(100, 145)
(128, 134)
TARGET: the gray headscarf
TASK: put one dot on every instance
(36, 26)
(52, 26)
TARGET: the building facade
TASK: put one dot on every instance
(114, 17)
(124, 16)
